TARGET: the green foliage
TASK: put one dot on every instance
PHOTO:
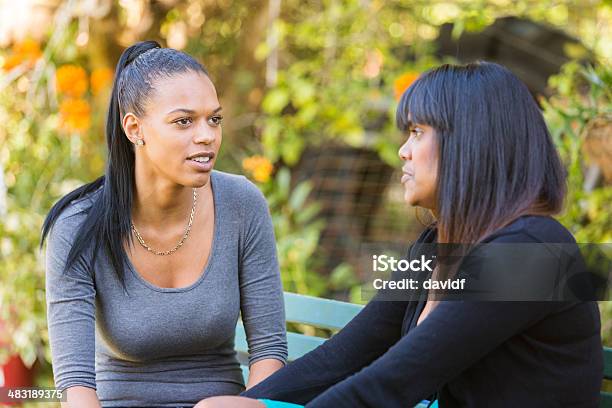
(588, 213)
(40, 162)
(582, 95)
(332, 86)
(297, 231)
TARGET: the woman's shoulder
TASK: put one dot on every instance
(532, 228)
(527, 228)
(236, 186)
(77, 209)
(63, 231)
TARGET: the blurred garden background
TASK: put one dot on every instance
(309, 90)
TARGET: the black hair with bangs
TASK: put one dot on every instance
(496, 161)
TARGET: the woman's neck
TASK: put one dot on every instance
(155, 205)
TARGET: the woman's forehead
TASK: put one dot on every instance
(189, 90)
(414, 122)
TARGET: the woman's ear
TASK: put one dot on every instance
(132, 127)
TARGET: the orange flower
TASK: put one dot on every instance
(100, 78)
(12, 61)
(403, 82)
(75, 115)
(27, 52)
(259, 167)
(71, 80)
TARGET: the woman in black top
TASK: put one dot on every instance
(479, 156)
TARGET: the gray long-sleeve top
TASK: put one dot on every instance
(168, 347)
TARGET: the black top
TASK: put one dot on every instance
(467, 354)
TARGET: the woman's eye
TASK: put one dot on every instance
(215, 120)
(183, 122)
(416, 132)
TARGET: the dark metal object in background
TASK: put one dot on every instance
(531, 50)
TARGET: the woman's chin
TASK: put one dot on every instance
(199, 181)
(409, 198)
(202, 183)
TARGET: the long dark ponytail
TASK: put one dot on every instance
(108, 220)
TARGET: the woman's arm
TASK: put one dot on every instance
(70, 316)
(365, 338)
(452, 337)
(261, 293)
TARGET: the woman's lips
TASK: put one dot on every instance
(201, 166)
(406, 177)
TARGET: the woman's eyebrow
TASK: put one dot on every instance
(184, 110)
(190, 111)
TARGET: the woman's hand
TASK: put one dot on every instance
(229, 402)
(262, 369)
(79, 396)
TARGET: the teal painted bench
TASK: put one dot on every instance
(334, 315)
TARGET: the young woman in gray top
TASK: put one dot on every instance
(150, 321)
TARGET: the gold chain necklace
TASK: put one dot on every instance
(180, 244)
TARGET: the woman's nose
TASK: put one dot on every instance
(405, 152)
(206, 136)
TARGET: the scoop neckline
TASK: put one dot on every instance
(211, 256)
